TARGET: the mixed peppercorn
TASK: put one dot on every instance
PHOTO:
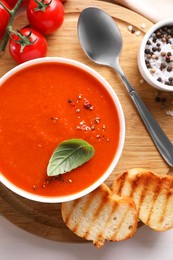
(159, 55)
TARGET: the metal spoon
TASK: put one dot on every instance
(101, 40)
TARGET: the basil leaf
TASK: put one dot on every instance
(69, 155)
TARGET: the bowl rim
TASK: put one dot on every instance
(103, 81)
(141, 60)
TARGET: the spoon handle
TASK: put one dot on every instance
(160, 139)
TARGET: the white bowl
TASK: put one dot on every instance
(146, 74)
(116, 158)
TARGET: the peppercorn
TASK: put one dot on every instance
(158, 34)
(158, 44)
(163, 53)
(157, 99)
(169, 68)
(167, 58)
(159, 79)
(167, 83)
(154, 49)
(162, 66)
(148, 65)
(148, 56)
(147, 51)
(158, 49)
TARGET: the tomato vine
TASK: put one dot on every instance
(12, 13)
(44, 17)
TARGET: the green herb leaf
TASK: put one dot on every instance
(69, 155)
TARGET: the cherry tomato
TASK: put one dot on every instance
(29, 45)
(48, 19)
(4, 18)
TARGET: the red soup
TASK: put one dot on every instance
(43, 105)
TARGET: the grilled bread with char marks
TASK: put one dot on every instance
(101, 216)
(152, 194)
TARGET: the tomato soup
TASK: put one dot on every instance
(40, 107)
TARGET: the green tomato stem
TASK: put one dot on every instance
(24, 40)
(4, 6)
(41, 5)
(10, 24)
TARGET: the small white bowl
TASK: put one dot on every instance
(105, 175)
(146, 74)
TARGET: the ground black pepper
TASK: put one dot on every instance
(95, 124)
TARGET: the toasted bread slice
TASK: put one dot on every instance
(101, 216)
(152, 194)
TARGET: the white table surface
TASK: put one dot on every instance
(16, 244)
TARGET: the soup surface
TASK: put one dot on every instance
(40, 107)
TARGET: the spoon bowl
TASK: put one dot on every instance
(94, 32)
(101, 41)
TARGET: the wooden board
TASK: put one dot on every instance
(44, 219)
